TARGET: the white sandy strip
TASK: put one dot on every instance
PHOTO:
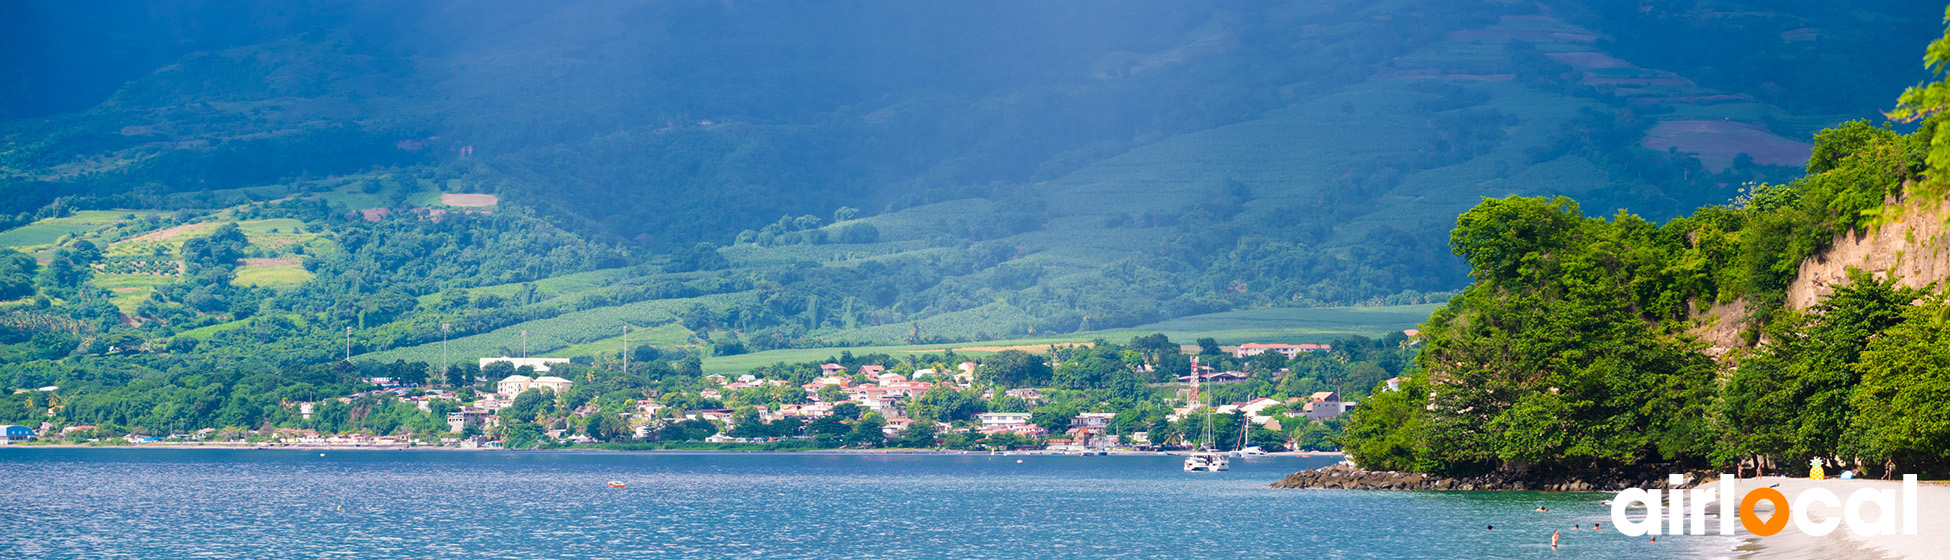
(1931, 541)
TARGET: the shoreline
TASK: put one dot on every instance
(355, 447)
(1790, 543)
(1932, 530)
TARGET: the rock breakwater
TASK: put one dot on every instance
(1343, 477)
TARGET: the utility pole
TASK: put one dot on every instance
(626, 348)
(348, 344)
(524, 344)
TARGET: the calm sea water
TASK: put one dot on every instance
(156, 504)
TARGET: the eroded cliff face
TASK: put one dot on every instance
(1913, 248)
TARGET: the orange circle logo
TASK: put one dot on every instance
(1774, 523)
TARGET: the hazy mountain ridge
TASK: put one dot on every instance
(1035, 170)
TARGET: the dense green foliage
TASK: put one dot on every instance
(1573, 349)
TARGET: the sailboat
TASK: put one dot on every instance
(1240, 448)
(1205, 459)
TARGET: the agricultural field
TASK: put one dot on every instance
(1280, 325)
(1293, 325)
(45, 233)
(273, 273)
(560, 332)
(130, 289)
(987, 322)
(668, 335)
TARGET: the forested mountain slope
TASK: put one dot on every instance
(751, 176)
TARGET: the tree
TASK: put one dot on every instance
(1055, 418)
(847, 410)
(918, 435)
(1209, 347)
(529, 405)
(943, 403)
(746, 423)
(1900, 416)
(16, 274)
(868, 431)
(1015, 368)
(54, 345)
(831, 394)
(494, 372)
(829, 427)
(1161, 433)
(1792, 400)
(1926, 100)
(463, 374)
(1383, 433)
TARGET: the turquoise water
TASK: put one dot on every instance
(154, 504)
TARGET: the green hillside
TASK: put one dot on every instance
(998, 180)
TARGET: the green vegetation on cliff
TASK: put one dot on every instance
(1574, 349)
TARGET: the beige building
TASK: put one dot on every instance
(515, 384)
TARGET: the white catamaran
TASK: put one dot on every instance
(1205, 459)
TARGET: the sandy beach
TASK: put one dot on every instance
(1931, 541)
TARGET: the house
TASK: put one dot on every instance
(492, 403)
(814, 410)
(513, 385)
(865, 393)
(1251, 349)
(1255, 406)
(16, 434)
(540, 365)
(1002, 420)
(716, 379)
(1032, 395)
(466, 416)
(1030, 431)
(832, 369)
(1394, 384)
(648, 409)
(552, 383)
(1092, 420)
(720, 414)
(709, 393)
(1324, 405)
(872, 370)
(896, 426)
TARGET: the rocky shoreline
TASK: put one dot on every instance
(1344, 477)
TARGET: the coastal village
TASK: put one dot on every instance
(876, 403)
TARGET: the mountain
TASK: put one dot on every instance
(741, 177)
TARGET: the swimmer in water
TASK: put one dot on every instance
(1542, 509)
(1490, 528)
(1554, 540)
